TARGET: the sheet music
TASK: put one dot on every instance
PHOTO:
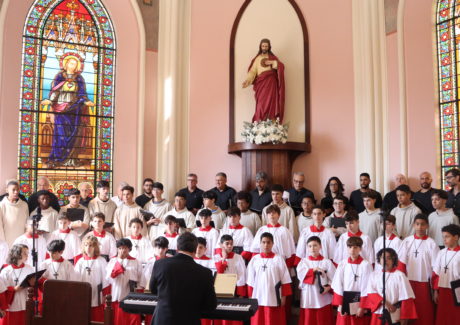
(225, 284)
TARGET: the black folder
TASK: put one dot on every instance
(455, 286)
(350, 297)
(25, 282)
(75, 214)
(147, 215)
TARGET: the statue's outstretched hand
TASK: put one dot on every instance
(45, 102)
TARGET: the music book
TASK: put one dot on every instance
(337, 222)
(75, 214)
(350, 302)
(147, 214)
(455, 285)
(238, 249)
(108, 225)
(181, 222)
(25, 282)
(225, 285)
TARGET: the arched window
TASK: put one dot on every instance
(67, 95)
(448, 42)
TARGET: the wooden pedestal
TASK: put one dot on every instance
(274, 159)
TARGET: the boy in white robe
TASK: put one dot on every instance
(124, 273)
(369, 219)
(352, 224)
(405, 212)
(207, 231)
(304, 219)
(391, 240)
(328, 242)
(57, 268)
(269, 282)
(102, 202)
(418, 255)
(159, 207)
(49, 216)
(28, 239)
(241, 235)
(249, 219)
(74, 203)
(13, 214)
(209, 202)
(315, 274)
(180, 211)
(201, 257)
(441, 217)
(125, 213)
(107, 243)
(287, 216)
(171, 234)
(142, 248)
(352, 276)
(70, 237)
(446, 269)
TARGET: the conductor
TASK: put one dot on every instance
(185, 289)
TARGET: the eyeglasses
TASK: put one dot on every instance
(450, 177)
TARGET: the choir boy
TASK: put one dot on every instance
(287, 216)
(418, 254)
(207, 231)
(71, 239)
(159, 207)
(446, 270)
(328, 242)
(441, 217)
(269, 282)
(350, 283)
(399, 297)
(29, 239)
(405, 211)
(13, 214)
(352, 224)
(3, 254)
(126, 212)
(315, 274)
(74, 203)
(369, 219)
(241, 236)
(249, 218)
(283, 244)
(142, 248)
(160, 247)
(171, 234)
(108, 244)
(124, 274)
(57, 268)
(180, 211)
(102, 202)
(49, 216)
(12, 276)
(304, 219)
(91, 267)
(391, 240)
(336, 220)
(209, 203)
(200, 255)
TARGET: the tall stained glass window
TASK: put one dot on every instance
(67, 95)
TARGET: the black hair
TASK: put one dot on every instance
(314, 238)
(277, 188)
(202, 241)
(205, 213)
(421, 216)
(158, 185)
(136, 220)
(452, 229)
(327, 189)
(354, 241)
(99, 215)
(128, 188)
(43, 192)
(351, 216)
(124, 242)
(187, 242)
(210, 195)
(365, 175)
(267, 235)
(245, 196)
(180, 194)
(73, 191)
(441, 194)
(161, 242)
(454, 171)
(370, 194)
(102, 184)
(148, 179)
(169, 218)
(403, 188)
(234, 211)
(56, 245)
(273, 208)
(225, 238)
(393, 255)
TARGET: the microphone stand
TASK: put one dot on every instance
(386, 317)
(35, 219)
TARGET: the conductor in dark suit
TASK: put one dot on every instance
(185, 289)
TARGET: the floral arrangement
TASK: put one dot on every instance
(268, 131)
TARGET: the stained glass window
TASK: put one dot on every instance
(67, 95)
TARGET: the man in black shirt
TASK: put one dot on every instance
(193, 195)
(43, 184)
(298, 192)
(356, 198)
(144, 198)
(225, 194)
(453, 179)
(261, 195)
(423, 196)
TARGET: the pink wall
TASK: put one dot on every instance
(151, 61)
(332, 98)
(127, 85)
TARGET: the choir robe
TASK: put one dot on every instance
(283, 242)
(268, 279)
(16, 300)
(40, 246)
(328, 242)
(93, 271)
(441, 278)
(287, 218)
(210, 234)
(303, 222)
(251, 220)
(48, 221)
(142, 249)
(107, 243)
(172, 241)
(344, 280)
(391, 241)
(118, 201)
(218, 216)
(106, 207)
(3, 299)
(439, 219)
(3, 252)
(123, 215)
(315, 307)
(242, 237)
(418, 256)
(397, 290)
(119, 274)
(189, 217)
(72, 242)
(86, 218)
(60, 269)
(159, 209)
(369, 223)
(13, 217)
(206, 262)
(341, 251)
(405, 219)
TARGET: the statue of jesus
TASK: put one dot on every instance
(266, 73)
